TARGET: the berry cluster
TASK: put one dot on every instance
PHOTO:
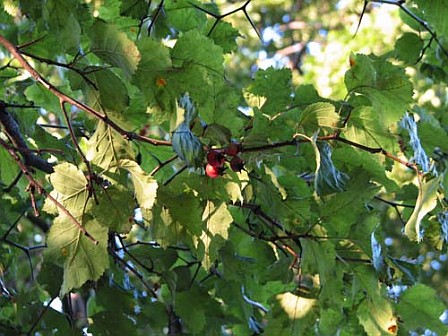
(216, 159)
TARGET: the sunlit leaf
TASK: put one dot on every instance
(81, 259)
(377, 318)
(317, 116)
(114, 47)
(365, 128)
(409, 47)
(70, 188)
(426, 201)
(106, 147)
(385, 85)
(145, 187)
(274, 85)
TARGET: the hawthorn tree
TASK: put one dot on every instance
(154, 184)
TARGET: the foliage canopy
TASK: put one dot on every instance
(109, 112)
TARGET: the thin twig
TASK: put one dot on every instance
(40, 189)
(222, 16)
(135, 259)
(62, 65)
(162, 164)
(80, 152)
(169, 180)
(394, 204)
(125, 264)
(39, 317)
(5, 235)
(155, 244)
(67, 99)
(156, 15)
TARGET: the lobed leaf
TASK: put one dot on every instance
(426, 201)
(114, 47)
(420, 308)
(81, 259)
(145, 187)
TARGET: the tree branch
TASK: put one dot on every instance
(40, 189)
(12, 130)
(67, 99)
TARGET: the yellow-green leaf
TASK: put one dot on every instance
(145, 187)
(81, 259)
(426, 201)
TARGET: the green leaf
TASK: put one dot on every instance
(192, 47)
(306, 94)
(8, 168)
(184, 208)
(224, 35)
(329, 321)
(109, 322)
(81, 259)
(319, 115)
(320, 258)
(426, 201)
(70, 189)
(377, 318)
(195, 318)
(365, 128)
(42, 97)
(218, 134)
(145, 187)
(62, 23)
(420, 308)
(409, 47)
(115, 208)
(50, 278)
(151, 72)
(114, 47)
(182, 16)
(111, 94)
(350, 158)
(435, 13)
(275, 86)
(217, 222)
(336, 219)
(218, 219)
(106, 148)
(385, 85)
(134, 8)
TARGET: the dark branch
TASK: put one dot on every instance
(12, 130)
(220, 17)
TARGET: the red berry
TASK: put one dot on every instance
(213, 171)
(215, 158)
(237, 164)
(232, 149)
